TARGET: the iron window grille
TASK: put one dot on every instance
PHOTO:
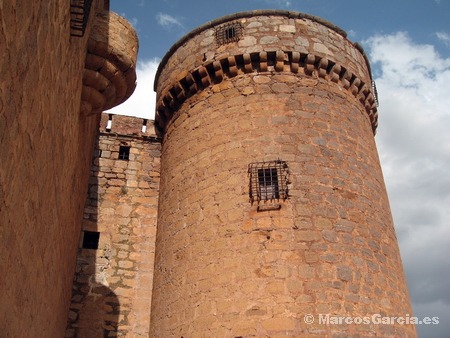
(268, 181)
(375, 93)
(79, 16)
(231, 32)
(124, 153)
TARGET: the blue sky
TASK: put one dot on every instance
(161, 23)
(408, 42)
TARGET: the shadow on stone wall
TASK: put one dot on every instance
(98, 315)
(95, 308)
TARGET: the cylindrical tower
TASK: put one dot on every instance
(272, 200)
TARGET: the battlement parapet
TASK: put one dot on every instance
(127, 126)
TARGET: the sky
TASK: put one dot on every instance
(408, 43)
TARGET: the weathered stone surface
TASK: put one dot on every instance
(217, 254)
(287, 28)
(122, 207)
(44, 168)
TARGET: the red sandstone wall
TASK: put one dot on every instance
(222, 268)
(113, 284)
(46, 147)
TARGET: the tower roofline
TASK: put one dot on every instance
(247, 14)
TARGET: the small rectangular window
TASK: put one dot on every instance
(268, 188)
(228, 33)
(90, 240)
(268, 181)
(124, 153)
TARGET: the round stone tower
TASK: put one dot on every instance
(272, 202)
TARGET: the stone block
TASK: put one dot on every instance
(279, 324)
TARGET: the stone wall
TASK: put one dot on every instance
(228, 265)
(47, 138)
(46, 148)
(113, 284)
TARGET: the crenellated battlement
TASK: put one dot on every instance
(127, 126)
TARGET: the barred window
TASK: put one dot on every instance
(124, 153)
(268, 180)
(231, 32)
(268, 188)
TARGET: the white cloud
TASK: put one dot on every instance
(140, 3)
(352, 33)
(414, 146)
(444, 37)
(134, 21)
(142, 102)
(279, 3)
(284, 3)
(167, 21)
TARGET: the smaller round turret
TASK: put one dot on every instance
(110, 71)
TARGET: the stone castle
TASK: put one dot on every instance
(253, 200)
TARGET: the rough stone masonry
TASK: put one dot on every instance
(290, 93)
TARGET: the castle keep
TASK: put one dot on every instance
(255, 197)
